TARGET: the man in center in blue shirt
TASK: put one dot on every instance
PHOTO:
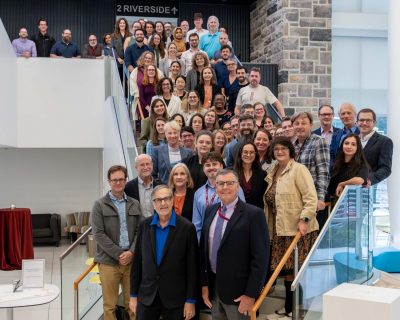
(210, 41)
(164, 268)
(206, 195)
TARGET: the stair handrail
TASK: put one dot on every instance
(76, 287)
(274, 276)
(75, 244)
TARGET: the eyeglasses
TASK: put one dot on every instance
(152, 70)
(221, 184)
(115, 181)
(365, 120)
(326, 114)
(92, 39)
(227, 129)
(159, 201)
(230, 64)
(249, 153)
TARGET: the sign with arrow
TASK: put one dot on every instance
(168, 9)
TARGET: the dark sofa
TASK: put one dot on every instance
(46, 228)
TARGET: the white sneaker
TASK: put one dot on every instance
(280, 314)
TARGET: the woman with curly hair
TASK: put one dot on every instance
(192, 106)
(199, 62)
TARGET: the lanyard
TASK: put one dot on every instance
(212, 198)
(221, 215)
(298, 153)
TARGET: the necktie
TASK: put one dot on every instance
(217, 239)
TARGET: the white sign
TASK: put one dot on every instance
(33, 273)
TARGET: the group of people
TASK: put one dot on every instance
(220, 199)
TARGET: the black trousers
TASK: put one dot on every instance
(156, 310)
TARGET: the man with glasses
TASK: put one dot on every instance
(234, 250)
(115, 221)
(164, 269)
(44, 42)
(187, 56)
(93, 50)
(247, 127)
(206, 195)
(378, 149)
(325, 115)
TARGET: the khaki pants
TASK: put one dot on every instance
(111, 277)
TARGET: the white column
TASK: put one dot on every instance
(393, 113)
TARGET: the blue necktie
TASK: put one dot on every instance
(217, 239)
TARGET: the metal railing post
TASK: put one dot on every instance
(76, 305)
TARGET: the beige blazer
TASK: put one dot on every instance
(296, 198)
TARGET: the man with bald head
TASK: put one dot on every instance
(141, 187)
(347, 113)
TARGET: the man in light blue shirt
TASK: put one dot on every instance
(24, 47)
(206, 195)
(210, 41)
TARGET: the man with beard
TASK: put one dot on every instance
(93, 50)
(134, 51)
(247, 126)
(187, 56)
(255, 92)
(65, 48)
(221, 69)
(24, 47)
(220, 109)
(239, 83)
(44, 42)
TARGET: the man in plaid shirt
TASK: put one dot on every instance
(313, 152)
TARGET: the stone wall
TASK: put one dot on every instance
(295, 35)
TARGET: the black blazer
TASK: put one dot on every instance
(200, 89)
(258, 188)
(318, 131)
(243, 255)
(132, 188)
(175, 279)
(187, 210)
(379, 151)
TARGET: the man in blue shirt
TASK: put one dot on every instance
(164, 269)
(65, 48)
(115, 221)
(206, 195)
(210, 41)
(133, 52)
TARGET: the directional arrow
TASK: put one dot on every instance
(174, 10)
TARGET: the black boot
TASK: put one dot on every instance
(289, 297)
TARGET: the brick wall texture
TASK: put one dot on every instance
(295, 35)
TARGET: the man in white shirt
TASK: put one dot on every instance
(255, 92)
(198, 26)
(187, 56)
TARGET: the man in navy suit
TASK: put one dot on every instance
(326, 130)
(378, 149)
(164, 268)
(234, 250)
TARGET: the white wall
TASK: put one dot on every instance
(60, 103)
(50, 180)
(8, 95)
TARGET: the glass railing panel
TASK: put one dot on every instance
(72, 262)
(124, 122)
(380, 215)
(342, 253)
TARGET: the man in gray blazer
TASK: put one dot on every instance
(115, 221)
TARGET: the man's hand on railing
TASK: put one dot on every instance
(133, 304)
(245, 304)
(125, 258)
(188, 311)
(206, 296)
